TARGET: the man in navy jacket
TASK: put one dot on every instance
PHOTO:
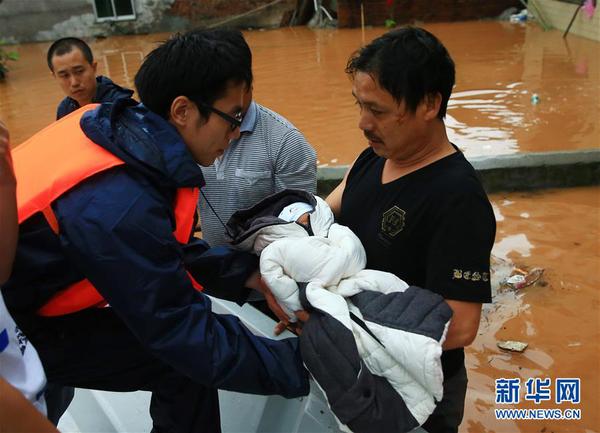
(116, 230)
(73, 66)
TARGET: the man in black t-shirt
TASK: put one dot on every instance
(413, 199)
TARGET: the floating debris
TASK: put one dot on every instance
(513, 346)
(521, 279)
(520, 17)
(515, 280)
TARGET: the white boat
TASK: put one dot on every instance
(127, 412)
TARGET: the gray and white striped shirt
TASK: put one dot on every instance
(270, 155)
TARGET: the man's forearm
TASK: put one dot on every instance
(458, 339)
(464, 324)
(17, 415)
(9, 228)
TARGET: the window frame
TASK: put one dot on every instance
(115, 17)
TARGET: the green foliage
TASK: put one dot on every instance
(5, 57)
(390, 23)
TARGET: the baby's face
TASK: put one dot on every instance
(303, 219)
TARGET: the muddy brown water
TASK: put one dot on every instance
(559, 317)
(299, 73)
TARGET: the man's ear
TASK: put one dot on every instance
(432, 104)
(94, 66)
(179, 114)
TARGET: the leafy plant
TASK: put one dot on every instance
(390, 23)
(5, 57)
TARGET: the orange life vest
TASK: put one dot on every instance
(57, 159)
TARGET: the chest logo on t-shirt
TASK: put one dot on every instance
(392, 222)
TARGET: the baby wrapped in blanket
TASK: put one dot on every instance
(372, 343)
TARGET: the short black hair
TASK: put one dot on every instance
(410, 63)
(66, 45)
(239, 49)
(199, 64)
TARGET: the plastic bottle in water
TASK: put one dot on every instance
(535, 99)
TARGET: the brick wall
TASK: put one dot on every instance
(559, 14)
(197, 10)
(194, 10)
(406, 11)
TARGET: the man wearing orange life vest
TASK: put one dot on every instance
(106, 215)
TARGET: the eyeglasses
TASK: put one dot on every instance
(235, 121)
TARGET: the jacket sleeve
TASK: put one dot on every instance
(119, 234)
(112, 92)
(66, 106)
(222, 271)
(63, 109)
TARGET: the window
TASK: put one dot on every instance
(114, 10)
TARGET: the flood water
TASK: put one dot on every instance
(299, 73)
(559, 317)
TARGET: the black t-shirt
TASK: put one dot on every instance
(433, 228)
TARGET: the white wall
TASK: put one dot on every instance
(559, 14)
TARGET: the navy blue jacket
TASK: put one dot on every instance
(106, 91)
(116, 229)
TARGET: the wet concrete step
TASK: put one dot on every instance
(516, 172)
